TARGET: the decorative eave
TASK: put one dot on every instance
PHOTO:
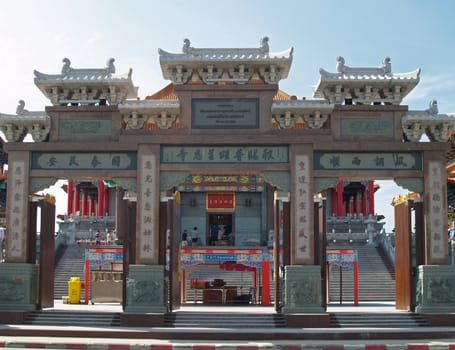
(365, 85)
(290, 114)
(17, 126)
(86, 86)
(161, 114)
(437, 127)
(225, 65)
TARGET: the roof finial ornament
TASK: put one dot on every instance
(386, 65)
(110, 65)
(66, 65)
(264, 45)
(433, 107)
(340, 64)
(186, 46)
(20, 108)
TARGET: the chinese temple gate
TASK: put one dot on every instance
(222, 146)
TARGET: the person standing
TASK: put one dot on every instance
(214, 234)
(98, 238)
(194, 237)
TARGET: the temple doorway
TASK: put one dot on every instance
(221, 230)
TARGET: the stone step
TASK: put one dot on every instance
(224, 320)
(377, 320)
(72, 318)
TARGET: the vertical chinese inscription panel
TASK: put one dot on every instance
(436, 180)
(302, 218)
(17, 212)
(147, 232)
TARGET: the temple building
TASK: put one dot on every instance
(260, 180)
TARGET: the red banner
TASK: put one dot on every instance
(221, 201)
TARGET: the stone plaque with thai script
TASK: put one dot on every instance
(367, 161)
(224, 154)
(82, 127)
(84, 160)
(225, 113)
(367, 127)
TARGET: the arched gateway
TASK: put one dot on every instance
(223, 145)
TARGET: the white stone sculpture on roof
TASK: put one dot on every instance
(17, 126)
(86, 86)
(437, 127)
(365, 85)
(222, 65)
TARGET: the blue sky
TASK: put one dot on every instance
(414, 34)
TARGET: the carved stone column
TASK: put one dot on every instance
(145, 289)
(436, 279)
(17, 277)
(302, 280)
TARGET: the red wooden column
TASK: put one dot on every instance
(77, 201)
(364, 203)
(106, 200)
(84, 203)
(91, 205)
(333, 202)
(265, 283)
(340, 199)
(100, 206)
(371, 197)
(70, 190)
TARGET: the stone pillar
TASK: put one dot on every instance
(302, 289)
(436, 279)
(302, 281)
(435, 287)
(17, 277)
(146, 279)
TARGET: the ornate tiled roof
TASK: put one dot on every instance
(166, 93)
(225, 65)
(86, 86)
(16, 126)
(437, 127)
(365, 85)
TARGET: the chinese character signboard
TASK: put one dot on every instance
(224, 154)
(367, 161)
(84, 161)
(220, 201)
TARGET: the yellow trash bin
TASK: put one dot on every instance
(74, 290)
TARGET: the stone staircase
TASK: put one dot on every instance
(64, 318)
(71, 264)
(200, 319)
(375, 276)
